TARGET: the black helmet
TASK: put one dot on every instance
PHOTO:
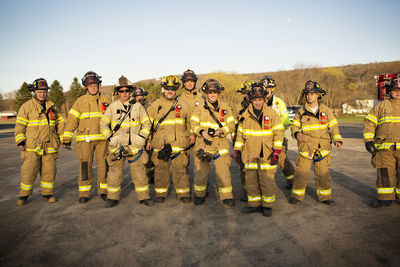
(38, 84)
(268, 82)
(311, 86)
(91, 77)
(212, 85)
(257, 91)
(141, 92)
(393, 84)
(189, 75)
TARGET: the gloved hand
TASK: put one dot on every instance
(165, 153)
(370, 146)
(67, 145)
(238, 155)
(275, 157)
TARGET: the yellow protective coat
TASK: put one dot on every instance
(257, 142)
(201, 120)
(382, 126)
(174, 131)
(319, 130)
(132, 134)
(84, 119)
(41, 131)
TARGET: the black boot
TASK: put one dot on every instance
(380, 203)
(147, 202)
(185, 199)
(199, 200)
(229, 202)
(329, 202)
(267, 212)
(160, 199)
(22, 200)
(111, 203)
(83, 200)
(103, 197)
(252, 209)
(244, 198)
(289, 186)
(293, 200)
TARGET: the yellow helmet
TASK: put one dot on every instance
(245, 87)
(170, 82)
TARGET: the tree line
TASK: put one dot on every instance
(343, 84)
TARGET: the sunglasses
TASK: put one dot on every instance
(124, 91)
(170, 89)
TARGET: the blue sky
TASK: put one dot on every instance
(149, 39)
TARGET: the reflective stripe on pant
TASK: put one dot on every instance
(202, 172)
(286, 166)
(260, 185)
(180, 177)
(33, 163)
(323, 181)
(138, 176)
(84, 152)
(388, 175)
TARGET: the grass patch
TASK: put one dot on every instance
(355, 118)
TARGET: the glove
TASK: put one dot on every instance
(67, 145)
(238, 155)
(275, 157)
(370, 146)
(165, 153)
(207, 141)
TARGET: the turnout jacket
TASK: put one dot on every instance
(201, 120)
(173, 130)
(38, 128)
(382, 125)
(257, 137)
(279, 106)
(134, 129)
(193, 100)
(319, 130)
(84, 117)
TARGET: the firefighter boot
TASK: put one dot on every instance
(380, 203)
(160, 199)
(293, 200)
(103, 197)
(252, 209)
(22, 200)
(83, 200)
(49, 198)
(329, 202)
(267, 212)
(147, 202)
(111, 203)
(185, 199)
(229, 202)
(199, 200)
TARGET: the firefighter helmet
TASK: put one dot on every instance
(268, 82)
(139, 91)
(212, 85)
(123, 82)
(170, 82)
(394, 84)
(38, 84)
(91, 77)
(245, 87)
(311, 86)
(189, 75)
(257, 91)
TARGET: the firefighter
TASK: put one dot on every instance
(84, 118)
(259, 144)
(315, 128)
(140, 95)
(238, 112)
(191, 96)
(126, 125)
(170, 141)
(38, 132)
(279, 106)
(382, 140)
(212, 122)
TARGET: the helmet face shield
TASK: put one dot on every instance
(212, 85)
(91, 77)
(257, 91)
(189, 75)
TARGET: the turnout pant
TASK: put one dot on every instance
(84, 151)
(180, 175)
(138, 175)
(285, 164)
(260, 184)
(323, 180)
(32, 165)
(202, 172)
(388, 174)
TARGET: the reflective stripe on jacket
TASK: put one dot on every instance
(382, 125)
(85, 116)
(40, 129)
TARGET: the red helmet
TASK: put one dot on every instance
(394, 84)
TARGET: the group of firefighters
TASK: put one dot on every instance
(164, 132)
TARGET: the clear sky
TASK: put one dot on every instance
(149, 39)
